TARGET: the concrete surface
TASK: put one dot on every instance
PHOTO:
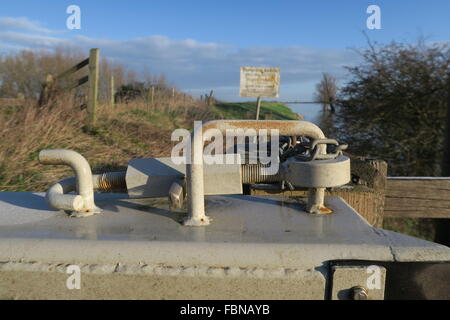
(255, 247)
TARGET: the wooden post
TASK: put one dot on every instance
(268, 116)
(211, 97)
(93, 86)
(258, 106)
(153, 96)
(47, 90)
(112, 92)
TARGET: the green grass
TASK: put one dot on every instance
(420, 228)
(247, 110)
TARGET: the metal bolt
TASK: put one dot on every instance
(359, 293)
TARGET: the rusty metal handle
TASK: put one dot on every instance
(195, 187)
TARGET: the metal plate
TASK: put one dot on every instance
(154, 177)
(344, 278)
(411, 280)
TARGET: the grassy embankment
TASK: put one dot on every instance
(136, 130)
(247, 110)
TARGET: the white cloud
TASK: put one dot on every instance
(194, 65)
(21, 23)
(31, 41)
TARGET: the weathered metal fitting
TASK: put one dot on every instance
(255, 173)
(314, 154)
(316, 198)
(177, 194)
(359, 293)
(317, 173)
(197, 222)
(195, 187)
(83, 204)
(110, 181)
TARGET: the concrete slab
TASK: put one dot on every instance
(266, 238)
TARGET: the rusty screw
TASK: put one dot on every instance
(359, 293)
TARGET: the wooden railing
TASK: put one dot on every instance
(417, 197)
(50, 85)
(376, 196)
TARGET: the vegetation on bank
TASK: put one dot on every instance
(247, 110)
(394, 107)
(133, 130)
(139, 126)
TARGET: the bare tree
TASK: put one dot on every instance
(326, 91)
(25, 72)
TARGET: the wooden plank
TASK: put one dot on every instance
(410, 197)
(365, 202)
(74, 68)
(418, 197)
(79, 82)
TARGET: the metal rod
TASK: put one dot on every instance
(195, 183)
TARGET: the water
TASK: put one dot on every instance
(311, 111)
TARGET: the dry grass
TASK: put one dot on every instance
(133, 130)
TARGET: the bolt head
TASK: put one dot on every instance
(359, 293)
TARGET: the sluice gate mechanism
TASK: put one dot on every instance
(173, 229)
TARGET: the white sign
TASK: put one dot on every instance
(260, 82)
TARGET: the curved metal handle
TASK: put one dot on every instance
(82, 203)
(195, 188)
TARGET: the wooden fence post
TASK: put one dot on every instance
(153, 96)
(112, 92)
(93, 86)
(258, 106)
(210, 98)
(47, 90)
(368, 197)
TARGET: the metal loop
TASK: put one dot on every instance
(314, 150)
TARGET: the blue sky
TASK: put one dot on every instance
(200, 45)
